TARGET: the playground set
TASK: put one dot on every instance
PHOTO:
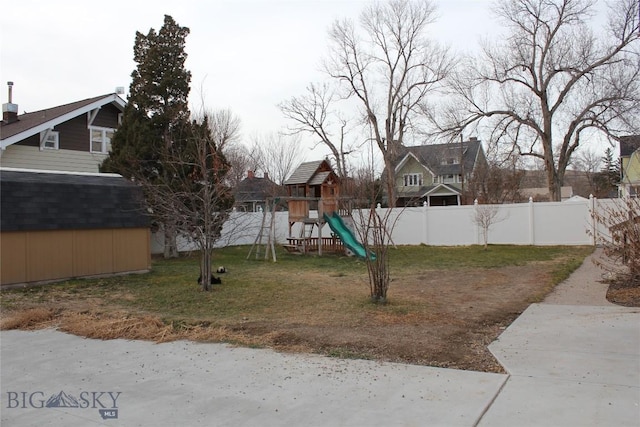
(313, 187)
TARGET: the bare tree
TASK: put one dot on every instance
(551, 83)
(484, 216)
(225, 127)
(389, 66)
(374, 226)
(620, 239)
(314, 113)
(277, 154)
(240, 161)
(194, 193)
(589, 162)
(497, 181)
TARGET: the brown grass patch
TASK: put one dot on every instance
(100, 325)
(29, 319)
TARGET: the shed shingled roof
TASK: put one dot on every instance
(33, 200)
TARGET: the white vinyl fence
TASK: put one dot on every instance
(532, 223)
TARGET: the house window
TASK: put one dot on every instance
(50, 140)
(450, 178)
(413, 180)
(449, 161)
(100, 139)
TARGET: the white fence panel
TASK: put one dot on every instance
(541, 223)
(511, 225)
(561, 223)
(450, 226)
(407, 225)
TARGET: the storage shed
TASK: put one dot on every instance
(56, 226)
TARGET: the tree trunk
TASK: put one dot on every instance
(170, 240)
(391, 182)
(205, 270)
(554, 184)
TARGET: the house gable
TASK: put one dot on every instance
(442, 190)
(252, 192)
(410, 173)
(630, 165)
(446, 159)
(446, 164)
(26, 141)
(30, 124)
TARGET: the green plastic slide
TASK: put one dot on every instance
(346, 235)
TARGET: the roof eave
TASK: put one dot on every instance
(112, 98)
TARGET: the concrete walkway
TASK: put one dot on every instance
(568, 365)
(573, 360)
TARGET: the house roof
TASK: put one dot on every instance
(435, 157)
(29, 124)
(253, 189)
(629, 144)
(311, 173)
(49, 200)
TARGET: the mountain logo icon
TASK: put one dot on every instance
(62, 400)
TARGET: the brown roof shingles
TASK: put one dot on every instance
(27, 121)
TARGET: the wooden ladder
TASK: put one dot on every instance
(266, 232)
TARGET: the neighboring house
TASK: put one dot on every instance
(630, 166)
(72, 137)
(60, 225)
(436, 174)
(252, 192)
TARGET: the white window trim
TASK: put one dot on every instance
(44, 136)
(412, 179)
(450, 179)
(103, 149)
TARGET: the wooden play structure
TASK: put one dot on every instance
(314, 186)
(313, 199)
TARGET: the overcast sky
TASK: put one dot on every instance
(246, 55)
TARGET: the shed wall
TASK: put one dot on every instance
(35, 256)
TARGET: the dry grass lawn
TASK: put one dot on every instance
(445, 304)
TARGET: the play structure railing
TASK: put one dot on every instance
(299, 207)
(310, 244)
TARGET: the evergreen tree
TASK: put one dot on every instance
(606, 181)
(156, 111)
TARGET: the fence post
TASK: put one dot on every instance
(475, 211)
(532, 236)
(425, 222)
(592, 211)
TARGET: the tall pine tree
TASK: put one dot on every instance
(156, 113)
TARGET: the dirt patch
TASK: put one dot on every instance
(436, 317)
